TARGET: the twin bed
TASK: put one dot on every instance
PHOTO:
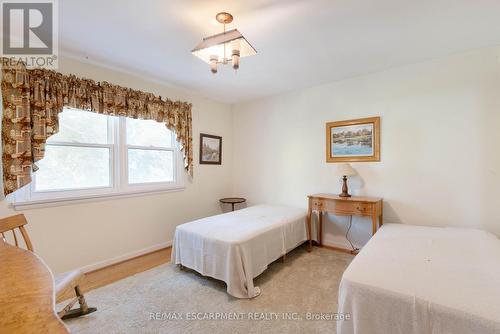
(406, 280)
(422, 280)
(238, 246)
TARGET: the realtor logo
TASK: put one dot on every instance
(29, 32)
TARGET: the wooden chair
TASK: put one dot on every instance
(63, 283)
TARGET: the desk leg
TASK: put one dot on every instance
(381, 214)
(309, 217)
(320, 228)
(374, 224)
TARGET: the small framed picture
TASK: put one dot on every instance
(355, 140)
(210, 149)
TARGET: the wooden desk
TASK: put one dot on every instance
(26, 294)
(342, 206)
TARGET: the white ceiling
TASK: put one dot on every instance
(299, 43)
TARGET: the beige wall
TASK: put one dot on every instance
(440, 159)
(79, 235)
(440, 144)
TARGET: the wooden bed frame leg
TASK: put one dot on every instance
(181, 267)
(283, 258)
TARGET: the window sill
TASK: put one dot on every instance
(36, 204)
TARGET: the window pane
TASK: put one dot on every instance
(145, 166)
(82, 127)
(148, 133)
(70, 167)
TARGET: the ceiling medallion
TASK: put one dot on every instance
(224, 48)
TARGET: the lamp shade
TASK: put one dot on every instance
(344, 170)
(232, 42)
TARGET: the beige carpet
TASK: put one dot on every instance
(180, 300)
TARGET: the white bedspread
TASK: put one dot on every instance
(237, 246)
(419, 280)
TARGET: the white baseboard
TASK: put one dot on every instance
(124, 257)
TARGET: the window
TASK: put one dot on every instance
(149, 151)
(96, 155)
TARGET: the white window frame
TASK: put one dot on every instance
(28, 196)
(147, 187)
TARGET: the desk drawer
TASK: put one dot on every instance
(317, 204)
(347, 208)
(363, 208)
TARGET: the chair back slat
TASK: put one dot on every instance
(15, 238)
(13, 222)
(26, 238)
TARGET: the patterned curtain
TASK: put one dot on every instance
(33, 99)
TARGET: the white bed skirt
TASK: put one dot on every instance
(236, 247)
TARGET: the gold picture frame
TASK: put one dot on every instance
(356, 140)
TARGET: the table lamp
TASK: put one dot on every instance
(345, 170)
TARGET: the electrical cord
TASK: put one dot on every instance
(354, 249)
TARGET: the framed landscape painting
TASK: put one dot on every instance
(210, 149)
(356, 140)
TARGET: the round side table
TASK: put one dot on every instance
(232, 201)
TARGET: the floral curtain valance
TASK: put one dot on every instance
(33, 99)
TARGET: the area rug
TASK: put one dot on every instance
(298, 296)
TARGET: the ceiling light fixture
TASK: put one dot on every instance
(224, 48)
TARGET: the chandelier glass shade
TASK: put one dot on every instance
(224, 48)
